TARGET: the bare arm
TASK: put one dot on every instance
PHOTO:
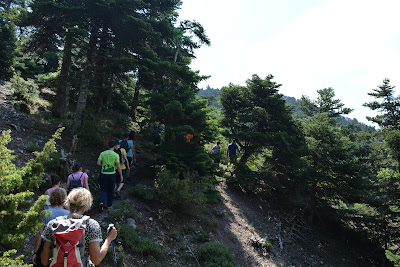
(127, 162)
(86, 183)
(36, 245)
(99, 163)
(45, 253)
(96, 253)
(68, 182)
(38, 237)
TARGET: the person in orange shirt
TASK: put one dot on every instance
(188, 137)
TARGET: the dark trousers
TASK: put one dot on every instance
(107, 184)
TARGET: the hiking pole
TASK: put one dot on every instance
(113, 247)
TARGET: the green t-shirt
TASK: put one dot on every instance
(108, 159)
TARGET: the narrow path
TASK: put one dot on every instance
(239, 231)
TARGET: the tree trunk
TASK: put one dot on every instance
(61, 101)
(84, 88)
(135, 102)
(101, 71)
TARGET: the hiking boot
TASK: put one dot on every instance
(118, 194)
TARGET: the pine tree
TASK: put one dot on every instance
(258, 118)
(7, 47)
(19, 215)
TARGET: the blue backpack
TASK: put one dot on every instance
(124, 144)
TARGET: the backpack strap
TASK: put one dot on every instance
(82, 241)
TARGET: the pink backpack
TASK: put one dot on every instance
(69, 247)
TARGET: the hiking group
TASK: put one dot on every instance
(68, 237)
(232, 152)
(118, 158)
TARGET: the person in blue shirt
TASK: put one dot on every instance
(232, 152)
(57, 199)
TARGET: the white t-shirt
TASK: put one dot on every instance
(216, 149)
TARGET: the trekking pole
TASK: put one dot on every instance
(113, 247)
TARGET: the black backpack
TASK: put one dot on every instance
(124, 144)
(121, 158)
(74, 183)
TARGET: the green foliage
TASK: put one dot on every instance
(243, 177)
(395, 258)
(256, 116)
(180, 194)
(215, 254)
(7, 260)
(7, 47)
(122, 210)
(26, 93)
(90, 131)
(200, 236)
(323, 104)
(143, 192)
(392, 141)
(387, 203)
(139, 244)
(388, 107)
(19, 214)
(331, 160)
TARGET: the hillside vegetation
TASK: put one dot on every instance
(309, 186)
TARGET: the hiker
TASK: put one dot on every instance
(109, 163)
(55, 183)
(130, 151)
(159, 134)
(78, 201)
(57, 198)
(232, 152)
(123, 161)
(216, 149)
(77, 178)
(189, 137)
(133, 139)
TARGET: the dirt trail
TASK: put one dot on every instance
(242, 231)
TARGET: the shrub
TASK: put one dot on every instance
(7, 260)
(143, 192)
(394, 258)
(180, 195)
(200, 236)
(141, 245)
(243, 177)
(19, 214)
(215, 254)
(122, 210)
(26, 93)
(209, 223)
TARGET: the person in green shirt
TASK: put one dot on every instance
(109, 163)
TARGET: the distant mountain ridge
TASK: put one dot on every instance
(212, 94)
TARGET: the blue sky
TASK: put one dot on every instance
(349, 45)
